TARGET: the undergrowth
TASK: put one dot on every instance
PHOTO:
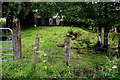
(84, 61)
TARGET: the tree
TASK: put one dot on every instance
(20, 10)
(104, 15)
(111, 15)
(47, 9)
(10, 11)
(26, 15)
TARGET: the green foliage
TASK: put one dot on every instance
(11, 9)
(74, 33)
(50, 63)
(3, 22)
(95, 14)
(87, 21)
(83, 63)
(17, 69)
(46, 9)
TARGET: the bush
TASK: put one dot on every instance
(3, 22)
(74, 33)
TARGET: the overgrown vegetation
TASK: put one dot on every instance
(85, 61)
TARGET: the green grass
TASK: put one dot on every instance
(51, 58)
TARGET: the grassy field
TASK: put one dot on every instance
(84, 61)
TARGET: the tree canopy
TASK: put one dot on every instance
(99, 14)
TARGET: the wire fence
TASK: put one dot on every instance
(44, 47)
(46, 51)
(48, 45)
(52, 51)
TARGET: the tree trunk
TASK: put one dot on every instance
(47, 21)
(9, 21)
(11, 18)
(118, 30)
(119, 45)
(99, 43)
(106, 31)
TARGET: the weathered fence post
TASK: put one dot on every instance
(17, 39)
(67, 50)
(36, 51)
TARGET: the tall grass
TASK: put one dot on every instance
(83, 63)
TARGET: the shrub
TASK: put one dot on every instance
(74, 33)
(3, 22)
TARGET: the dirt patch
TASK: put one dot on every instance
(42, 31)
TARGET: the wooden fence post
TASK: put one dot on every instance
(67, 50)
(36, 51)
(17, 39)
